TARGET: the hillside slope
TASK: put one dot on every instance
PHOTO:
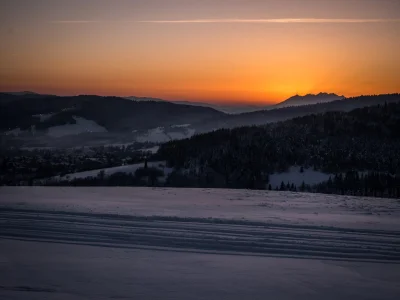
(133, 243)
(309, 99)
(113, 113)
(364, 140)
(281, 114)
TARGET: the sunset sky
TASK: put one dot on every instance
(250, 51)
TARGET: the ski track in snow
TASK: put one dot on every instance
(200, 235)
(132, 226)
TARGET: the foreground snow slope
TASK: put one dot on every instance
(242, 205)
(142, 243)
(52, 271)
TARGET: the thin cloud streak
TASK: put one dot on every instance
(74, 22)
(271, 21)
(221, 21)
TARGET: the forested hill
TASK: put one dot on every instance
(121, 115)
(113, 113)
(366, 139)
(281, 114)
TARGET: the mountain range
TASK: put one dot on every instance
(225, 108)
(309, 99)
(34, 117)
(296, 100)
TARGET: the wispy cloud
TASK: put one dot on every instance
(74, 21)
(306, 20)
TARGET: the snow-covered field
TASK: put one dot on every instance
(152, 150)
(161, 165)
(293, 175)
(144, 243)
(43, 117)
(15, 132)
(81, 126)
(162, 135)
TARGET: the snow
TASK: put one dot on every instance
(15, 132)
(120, 145)
(180, 126)
(153, 150)
(82, 126)
(78, 272)
(160, 135)
(155, 135)
(181, 135)
(293, 175)
(161, 243)
(44, 117)
(121, 169)
(36, 148)
(239, 205)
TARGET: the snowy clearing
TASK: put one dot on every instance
(158, 243)
(161, 135)
(155, 135)
(121, 169)
(180, 126)
(15, 132)
(293, 175)
(152, 150)
(82, 126)
(44, 117)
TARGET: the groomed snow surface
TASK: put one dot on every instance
(144, 243)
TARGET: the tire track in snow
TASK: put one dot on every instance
(202, 235)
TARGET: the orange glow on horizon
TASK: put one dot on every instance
(231, 59)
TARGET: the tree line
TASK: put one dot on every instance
(362, 141)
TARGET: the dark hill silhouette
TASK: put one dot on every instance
(121, 115)
(309, 99)
(282, 114)
(114, 113)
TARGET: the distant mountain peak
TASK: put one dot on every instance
(308, 99)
